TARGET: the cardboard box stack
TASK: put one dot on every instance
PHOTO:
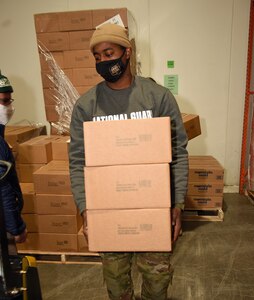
(15, 135)
(66, 36)
(128, 185)
(205, 188)
(53, 221)
(33, 154)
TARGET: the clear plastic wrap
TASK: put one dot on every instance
(62, 92)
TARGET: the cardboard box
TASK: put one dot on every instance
(31, 221)
(59, 223)
(15, 135)
(82, 242)
(53, 204)
(37, 150)
(53, 178)
(80, 40)
(75, 20)
(203, 202)
(102, 15)
(127, 186)
(32, 242)
(54, 242)
(132, 141)
(55, 131)
(48, 80)
(86, 76)
(192, 125)
(51, 113)
(59, 242)
(54, 41)
(211, 189)
(205, 170)
(60, 148)
(50, 97)
(129, 230)
(57, 57)
(25, 171)
(78, 59)
(201, 158)
(28, 198)
(46, 22)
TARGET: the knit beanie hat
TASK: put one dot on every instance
(111, 33)
(5, 86)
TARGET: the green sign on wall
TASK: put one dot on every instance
(171, 82)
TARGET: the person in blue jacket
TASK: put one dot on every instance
(11, 195)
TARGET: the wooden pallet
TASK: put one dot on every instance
(63, 257)
(203, 215)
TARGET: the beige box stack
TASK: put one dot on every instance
(57, 222)
(66, 35)
(33, 154)
(29, 215)
(57, 215)
(205, 188)
(15, 135)
(128, 185)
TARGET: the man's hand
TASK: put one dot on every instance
(21, 238)
(85, 225)
(176, 215)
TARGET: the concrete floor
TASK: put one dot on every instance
(212, 260)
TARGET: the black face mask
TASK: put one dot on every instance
(112, 70)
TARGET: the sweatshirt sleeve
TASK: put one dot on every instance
(179, 166)
(77, 157)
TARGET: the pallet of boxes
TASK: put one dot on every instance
(127, 182)
(204, 200)
(52, 219)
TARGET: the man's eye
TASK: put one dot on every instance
(109, 54)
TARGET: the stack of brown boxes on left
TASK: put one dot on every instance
(49, 211)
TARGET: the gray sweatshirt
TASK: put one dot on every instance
(143, 99)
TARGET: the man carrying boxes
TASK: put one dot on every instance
(126, 206)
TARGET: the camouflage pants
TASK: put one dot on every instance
(154, 267)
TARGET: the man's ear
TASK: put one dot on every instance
(128, 52)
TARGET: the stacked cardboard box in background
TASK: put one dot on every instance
(49, 210)
(191, 124)
(128, 185)
(66, 36)
(15, 135)
(204, 198)
(33, 154)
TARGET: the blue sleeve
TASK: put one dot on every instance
(11, 195)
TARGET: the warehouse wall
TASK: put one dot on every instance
(207, 40)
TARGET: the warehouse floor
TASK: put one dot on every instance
(212, 260)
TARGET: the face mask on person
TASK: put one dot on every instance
(6, 112)
(112, 70)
